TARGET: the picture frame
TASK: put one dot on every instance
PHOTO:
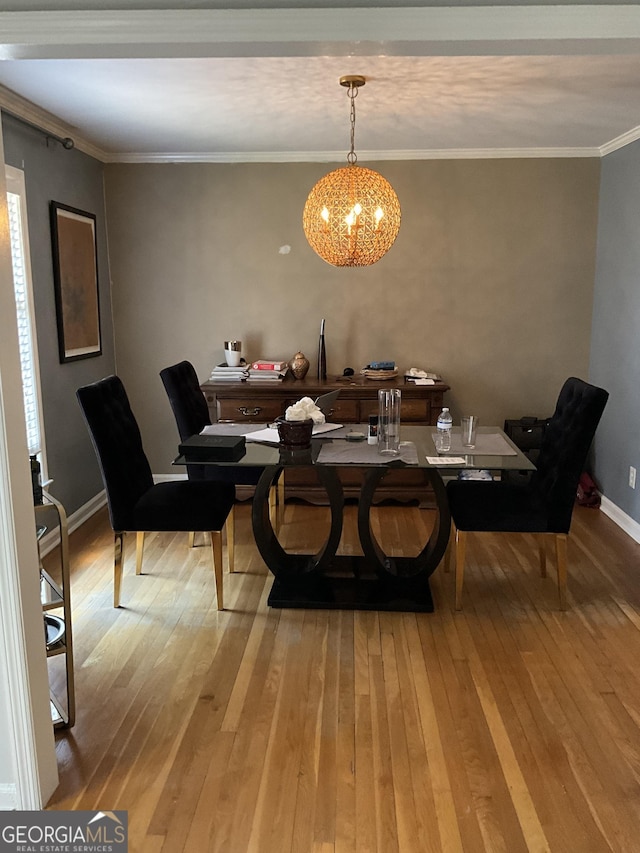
(75, 275)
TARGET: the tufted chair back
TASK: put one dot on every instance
(564, 450)
(186, 399)
(190, 410)
(116, 438)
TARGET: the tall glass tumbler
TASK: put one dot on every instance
(389, 421)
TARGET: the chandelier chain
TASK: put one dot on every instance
(352, 92)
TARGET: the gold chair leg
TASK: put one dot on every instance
(542, 554)
(117, 567)
(561, 558)
(139, 551)
(461, 547)
(216, 551)
(230, 527)
(192, 539)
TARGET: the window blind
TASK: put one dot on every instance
(25, 335)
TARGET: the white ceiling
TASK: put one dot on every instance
(157, 88)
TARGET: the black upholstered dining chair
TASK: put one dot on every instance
(544, 505)
(192, 415)
(135, 502)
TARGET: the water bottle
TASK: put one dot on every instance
(443, 431)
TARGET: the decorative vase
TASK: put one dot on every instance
(295, 435)
(299, 365)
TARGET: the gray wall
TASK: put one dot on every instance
(615, 347)
(73, 178)
(490, 281)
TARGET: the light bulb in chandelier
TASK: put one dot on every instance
(352, 215)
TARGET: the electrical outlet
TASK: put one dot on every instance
(632, 476)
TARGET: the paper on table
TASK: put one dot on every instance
(267, 435)
(270, 434)
(446, 460)
(229, 429)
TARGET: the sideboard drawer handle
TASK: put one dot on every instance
(249, 413)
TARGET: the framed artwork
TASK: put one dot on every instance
(75, 274)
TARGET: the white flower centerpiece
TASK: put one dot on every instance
(296, 427)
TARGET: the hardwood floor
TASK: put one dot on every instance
(508, 726)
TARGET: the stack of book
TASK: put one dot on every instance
(223, 373)
(265, 370)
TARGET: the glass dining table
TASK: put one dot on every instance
(372, 580)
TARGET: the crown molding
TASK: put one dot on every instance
(468, 30)
(21, 108)
(363, 156)
(620, 141)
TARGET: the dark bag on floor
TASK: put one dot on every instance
(587, 494)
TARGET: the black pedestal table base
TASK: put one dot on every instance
(328, 580)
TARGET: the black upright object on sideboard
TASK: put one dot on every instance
(322, 354)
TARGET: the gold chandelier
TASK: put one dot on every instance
(352, 215)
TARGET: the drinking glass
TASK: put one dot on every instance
(389, 421)
(469, 425)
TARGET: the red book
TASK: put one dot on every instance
(261, 364)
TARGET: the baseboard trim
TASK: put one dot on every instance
(52, 539)
(624, 521)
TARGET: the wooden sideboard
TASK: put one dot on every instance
(256, 402)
